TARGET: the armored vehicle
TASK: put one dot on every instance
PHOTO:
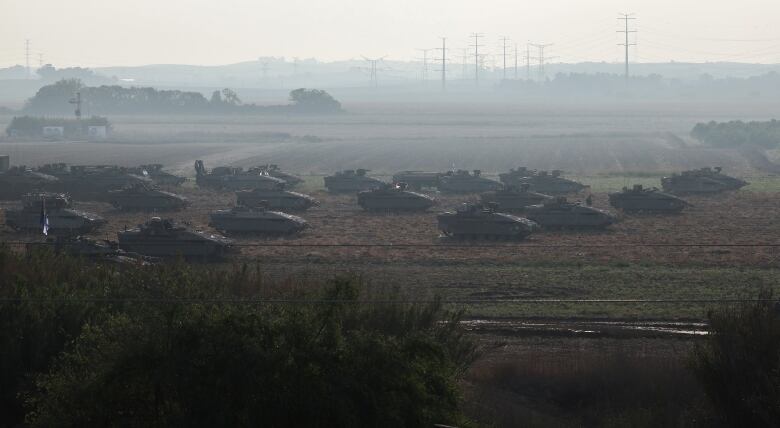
(94, 249)
(279, 199)
(164, 238)
(90, 182)
(559, 213)
(234, 178)
(141, 197)
(705, 180)
(158, 176)
(418, 179)
(18, 180)
(551, 183)
(62, 220)
(515, 175)
(649, 200)
(351, 181)
(461, 181)
(256, 220)
(484, 222)
(394, 198)
(512, 198)
(274, 171)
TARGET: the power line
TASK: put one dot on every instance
(27, 56)
(424, 64)
(443, 59)
(503, 54)
(626, 17)
(541, 47)
(476, 46)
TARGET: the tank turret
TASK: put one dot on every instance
(157, 175)
(234, 178)
(559, 213)
(166, 239)
(62, 219)
(640, 199)
(394, 198)
(513, 198)
(256, 221)
(701, 181)
(351, 181)
(418, 179)
(91, 182)
(548, 183)
(142, 197)
(484, 222)
(277, 199)
(273, 170)
(462, 181)
(18, 180)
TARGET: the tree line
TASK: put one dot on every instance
(54, 99)
(738, 133)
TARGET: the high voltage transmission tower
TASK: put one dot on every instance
(503, 55)
(443, 62)
(541, 58)
(626, 17)
(27, 56)
(424, 60)
(372, 70)
(528, 61)
(476, 46)
(515, 61)
(465, 60)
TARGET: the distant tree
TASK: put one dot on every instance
(314, 101)
(216, 98)
(230, 97)
(53, 99)
(739, 364)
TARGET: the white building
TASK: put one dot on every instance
(53, 131)
(97, 132)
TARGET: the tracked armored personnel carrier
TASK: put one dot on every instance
(351, 181)
(166, 239)
(62, 220)
(91, 182)
(558, 213)
(461, 181)
(279, 199)
(551, 183)
(18, 180)
(273, 170)
(394, 198)
(256, 221)
(515, 176)
(639, 199)
(484, 222)
(141, 197)
(514, 199)
(158, 176)
(234, 178)
(702, 181)
(418, 179)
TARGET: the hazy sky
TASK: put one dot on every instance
(108, 32)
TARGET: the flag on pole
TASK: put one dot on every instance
(44, 218)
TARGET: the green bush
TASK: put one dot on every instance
(739, 365)
(142, 356)
(737, 133)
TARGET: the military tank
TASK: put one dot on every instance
(701, 181)
(418, 179)
(548, 183)
(163, 238)
(93, 249)
(234, 178)
(461, 181)
(273, 170)
(513, 198)
(142, 197)
(515, 176)
(18, 180)
(62, 220)
(158, 176)
(476, 221)
(90, 182)
(638, 199)
(257, 221)
(351, 181)
(394, 198)
(559, 213)
(278, 199)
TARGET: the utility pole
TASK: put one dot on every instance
(528, 61)
(476, 46)
(515, 61)
(541, 48)
(40, 60)
(443, 59)
(626, 17)
(372, 71)
(503, 53)
(77, 102)
(465, 58)
(424, 64)
(27, 56)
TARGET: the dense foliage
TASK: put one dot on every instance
(53, 100)
(737, 133)
(739, 365)
(140, 355)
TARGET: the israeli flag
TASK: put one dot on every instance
(44, 219)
